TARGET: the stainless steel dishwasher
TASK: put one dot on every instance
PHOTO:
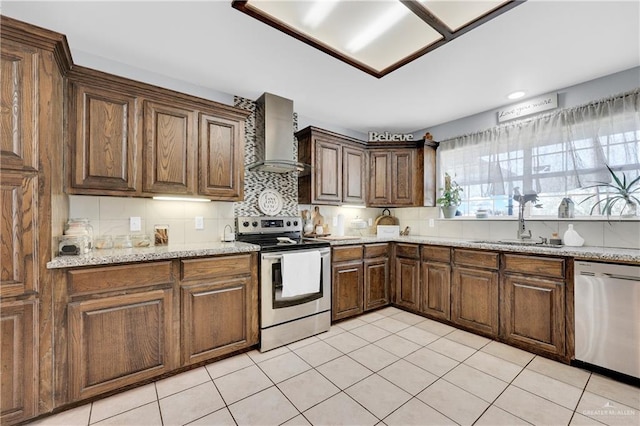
(607, 314)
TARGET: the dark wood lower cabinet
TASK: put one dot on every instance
(407, 277)
(376, 283)
(435, 290)
(474, 300)
(347, 285)
(533, 314)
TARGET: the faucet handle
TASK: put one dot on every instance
(543, 240)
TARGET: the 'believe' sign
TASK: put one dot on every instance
(389, 137)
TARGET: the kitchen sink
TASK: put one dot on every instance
(518, 243)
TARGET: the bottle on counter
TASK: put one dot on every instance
(572, 238)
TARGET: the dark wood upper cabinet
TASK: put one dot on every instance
(354, 165)
(328, 172)
(397, 177)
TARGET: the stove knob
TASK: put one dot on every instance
(245, 224)
(295, 223)
(288, 223)
(254, 224)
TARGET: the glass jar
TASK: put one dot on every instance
(80, 227)
(103, 242)
(122, 242)
(141, 240)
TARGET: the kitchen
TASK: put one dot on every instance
(111, 215)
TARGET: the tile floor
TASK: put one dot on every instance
(388, 367)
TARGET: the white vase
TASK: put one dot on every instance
(630, 209)
(572, 238)
(449, 211)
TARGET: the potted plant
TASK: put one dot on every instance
(618, 190)
(450, 199)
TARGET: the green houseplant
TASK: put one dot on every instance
(450, 199)
(617, 191)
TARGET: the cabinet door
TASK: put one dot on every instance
(18, 263)
(102, 146)
(215, 318)
(221, 158)
(474, 300)
(18, 352)
(18, 110)
(353, 175)
(328, 172)
(119, 340)
(169, 149)
(379, 175)
(347, 281)
(532, 313)
(435, 290)
(402, 182)
(376, 283)
(407, 273)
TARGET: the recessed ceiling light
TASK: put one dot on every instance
(516, 95)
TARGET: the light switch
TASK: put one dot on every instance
(370, 222)
(199, 222)
(135, 224)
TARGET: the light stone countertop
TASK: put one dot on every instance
(176, 251)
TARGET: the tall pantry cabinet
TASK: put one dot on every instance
(33, 207)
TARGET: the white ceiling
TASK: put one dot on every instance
(539, 46)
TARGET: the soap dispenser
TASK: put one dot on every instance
(572, 238)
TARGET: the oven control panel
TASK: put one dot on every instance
(268, 224)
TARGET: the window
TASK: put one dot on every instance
(556, 155)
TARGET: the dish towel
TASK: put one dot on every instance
(300, 273)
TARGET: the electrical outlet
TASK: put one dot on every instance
(135, 224)
(432, 223)
(199, 222)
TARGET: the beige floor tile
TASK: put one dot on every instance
(148, 415)
(497, 367)
(435, 327)
(565, 373)
(318, 353)
(191, 404)
(297, 421)
(268, 407)
(302, 343)
(242, 383)
(221, 417)
(284, 366)
(334, 331)
(229, 365)
(75, 417)
(397, 345)
(431, 361)
(407, 376)
(339, 410)
(257, 356)
(468, 339)
(390, 324)
(455, 403)
(606, 411)
(417, 335)
(373, 357)
(476, 382)
(497, 417)
(182, 381)
(511, 354)
(307, 389)
(351, 324)
(378, 395)
(408, 318)
(346, 342)
(452, 349)
(580, 420)
(614, 390)
(122, 402)
(548, 388)
(371, 317)
(417, 413)
(389, 311)
(532, 408)
(344, 371)
(370, 332)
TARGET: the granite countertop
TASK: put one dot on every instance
(111, 256)
(607, 254)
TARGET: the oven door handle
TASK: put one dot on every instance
(323, 253)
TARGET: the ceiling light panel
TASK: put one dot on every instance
(457, 14)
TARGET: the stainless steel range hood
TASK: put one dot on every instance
(274, 136)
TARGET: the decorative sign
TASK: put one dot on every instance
(389, 137)
(532, 106)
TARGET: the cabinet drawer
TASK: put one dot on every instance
(540, 266)
(341, 254)
(436, 254)
(198, 269)
(110, 278)
(376, 250)
(482, 259)
(408, 250)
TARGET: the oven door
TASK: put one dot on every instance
(276, 309)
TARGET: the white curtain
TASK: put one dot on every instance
(553, 153)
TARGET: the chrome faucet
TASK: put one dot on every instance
(523, 232)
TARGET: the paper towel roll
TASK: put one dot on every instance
(340, 226)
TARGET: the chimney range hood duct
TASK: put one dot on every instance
(274, 136)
